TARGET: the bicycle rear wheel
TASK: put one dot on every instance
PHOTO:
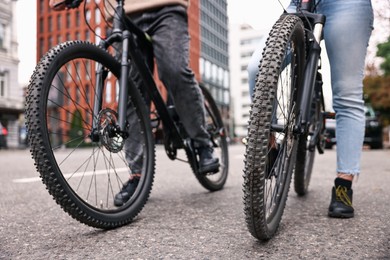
(71, 120)
(304, 165)
(217, 132)
(271, 144)
(307, 149)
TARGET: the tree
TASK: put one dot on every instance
(377, 86)
(76, 130)
(384, 52)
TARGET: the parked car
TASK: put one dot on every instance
(373, 136)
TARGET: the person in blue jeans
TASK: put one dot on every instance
(348, 28)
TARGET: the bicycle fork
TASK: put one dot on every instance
(306, 91)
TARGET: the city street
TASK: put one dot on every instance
(182, 220)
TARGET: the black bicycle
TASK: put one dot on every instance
(287, 118)
(87, 121)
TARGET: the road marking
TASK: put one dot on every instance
(76, 174)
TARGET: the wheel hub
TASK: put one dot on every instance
(108, 131)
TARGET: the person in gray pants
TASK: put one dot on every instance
(166, 21)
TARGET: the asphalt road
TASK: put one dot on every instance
(184, 221)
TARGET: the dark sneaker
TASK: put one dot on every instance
(126, 192)
(341, 203)
(207, 162)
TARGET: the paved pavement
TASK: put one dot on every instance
(184, 221)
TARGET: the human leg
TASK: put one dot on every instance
(171, 50)
(347, 32)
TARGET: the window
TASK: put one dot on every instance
(245, 93)
(59, 22)
(50, 42)
(41, 25)
(97, 16)
(214, 72)
(87, 94)
(77, 18)
(226, 97)
(87, 35)
(41, 47)
(207, 69)
(226, 79)
(88, 16)
(201, 66)
(3, 85)
(108, 92)
(246, 54)
(78, 94)
(68, 20)
(68, 73)
(42, 6)
(98, 33)
(59, 39)
(49, 24)
(2, 35)
(88, 70)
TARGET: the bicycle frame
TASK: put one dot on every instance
(314, 24)
(125, 31)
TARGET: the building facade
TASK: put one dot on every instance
(11, 94)
(244, 40)
(214, 54)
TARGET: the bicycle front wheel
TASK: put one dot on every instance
(271, 144)
(71, 116)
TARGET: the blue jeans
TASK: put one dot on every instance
(346, 33)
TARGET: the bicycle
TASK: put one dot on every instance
(287, 119)
(78, 132)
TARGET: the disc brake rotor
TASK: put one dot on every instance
(107, 129)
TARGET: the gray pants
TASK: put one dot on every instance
(168, 28)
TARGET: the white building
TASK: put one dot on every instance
(11, 94)
(243, 40)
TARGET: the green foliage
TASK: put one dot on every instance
(377, 87)
(377, 92)
(384, 52)
(76, 131)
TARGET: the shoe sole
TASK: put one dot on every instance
(214, 168)
(340, 215)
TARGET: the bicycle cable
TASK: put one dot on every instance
(284, 9)
(87, 22)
